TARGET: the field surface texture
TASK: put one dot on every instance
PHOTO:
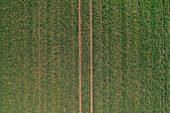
(84, 56)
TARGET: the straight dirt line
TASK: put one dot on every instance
(101, 46)
(33, 56)
(164, 99)
(80, 101)
(101, 30)
(91, 55)
(45, 64)
(39, 64)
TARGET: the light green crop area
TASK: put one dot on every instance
(130, 56)
(58, 56)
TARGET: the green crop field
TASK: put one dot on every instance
(40, 56)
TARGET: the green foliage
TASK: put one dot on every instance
(130, 56)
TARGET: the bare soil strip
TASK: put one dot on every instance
(164, 99)
(80, 101)
(91, 55)
(101, 30)
(101, 46)
(25, 98)
(39, 64)
(45, 64)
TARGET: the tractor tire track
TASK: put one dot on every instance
(164, 85)
(91, 55)
(39, 63)
(80, 99)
